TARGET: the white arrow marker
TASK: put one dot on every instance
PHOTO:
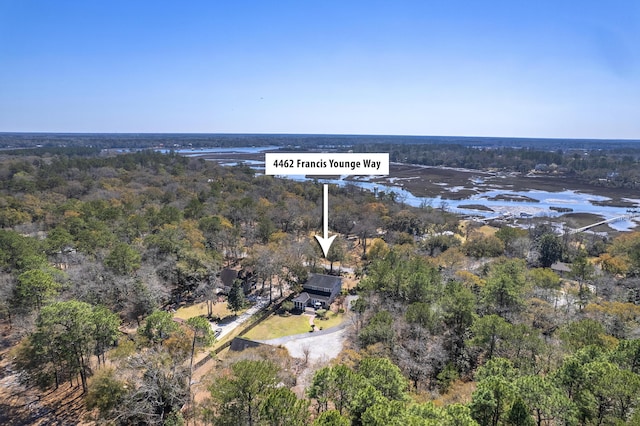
(325, 242)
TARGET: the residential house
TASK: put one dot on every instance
(246, 277)
(319, 291)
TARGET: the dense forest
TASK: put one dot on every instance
(455, 323)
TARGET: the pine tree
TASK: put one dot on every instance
(236, 300)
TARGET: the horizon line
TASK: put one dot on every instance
(3, 133)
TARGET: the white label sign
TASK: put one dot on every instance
(326, 164)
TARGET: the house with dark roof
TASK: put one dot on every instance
(319, 291)
(246, 277)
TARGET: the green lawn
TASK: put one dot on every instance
(332, 320)
(278, 326)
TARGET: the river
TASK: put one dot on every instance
(535, 203)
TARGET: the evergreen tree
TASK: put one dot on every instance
(35, 287)
(158, 326)
(237, 398)
(505, 286)
(236, 300)
(66, 335)
(550, 248)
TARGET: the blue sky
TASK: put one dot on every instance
(471, 68)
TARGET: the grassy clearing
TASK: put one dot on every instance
(219, 309)
(459, 392)
(333, 319)
(487, 230)
(278, 326)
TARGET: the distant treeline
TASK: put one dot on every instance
(614, 167)
(610, 163)
(146, 140)
(71, 151)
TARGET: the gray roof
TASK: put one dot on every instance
(301, 298)
(561, 267)
(323, 282)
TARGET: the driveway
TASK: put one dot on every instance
(228, 327)
(322, 345)
(320, 348)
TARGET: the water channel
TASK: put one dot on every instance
(535, 203)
